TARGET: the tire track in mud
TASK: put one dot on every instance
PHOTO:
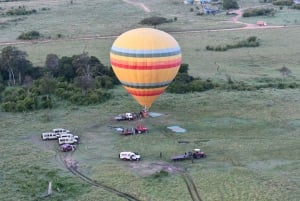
(191, 187)
(72, 167)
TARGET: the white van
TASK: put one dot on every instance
(68, 135)
(66, 140)
(60, 130)
(130, 156)
(49, 136)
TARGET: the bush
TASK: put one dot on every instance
(8, 106)
(154, 21)
(282, 2)
(31, 35)
(20, 106)
(249, 42)
(296, 6)
(21, 10)
(258, 12)
(230, 4)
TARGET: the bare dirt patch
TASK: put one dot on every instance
(145, 169)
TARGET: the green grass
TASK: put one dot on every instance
(251, 137)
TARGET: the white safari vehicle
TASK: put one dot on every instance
(67, 140)
(60, 130)
(129, 156)
(67, 135)
(54, 134)
(49, 136)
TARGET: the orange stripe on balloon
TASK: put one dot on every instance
(145, 65)
(145, 93)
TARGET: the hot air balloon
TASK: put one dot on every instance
(145, 61)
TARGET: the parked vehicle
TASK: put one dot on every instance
(60, 130)
(128, 131)
(182, 157)
(67, 147)
(126, 116)
(129, 156)
(196, 154)
(140, 128)
(67, 140)
(137, 130)
(68, 135)
(49, 136)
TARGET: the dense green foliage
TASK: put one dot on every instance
(79, 79)
(252, 41)
(84, 80)
(283, 2)
(31, 35)
(21, 10)
(185, 83)
(250, 12)
(296, 6)
(154, 21)
(230, 4)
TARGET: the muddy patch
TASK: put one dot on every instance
(145, 169)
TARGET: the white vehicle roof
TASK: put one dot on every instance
(60, 130)
(47, 133)
(129, 153)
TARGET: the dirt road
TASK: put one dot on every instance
(141, 5)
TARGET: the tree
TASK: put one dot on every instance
(285, 72)
(184, 68)
(47, 85)
(65, 69)
(84, 82)
(27, 83)
(230, 4)
(81, 64)
(52, 63)
(15, 63)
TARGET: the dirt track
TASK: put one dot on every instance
(141, 5)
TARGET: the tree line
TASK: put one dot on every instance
(80, 79)
(83, 80)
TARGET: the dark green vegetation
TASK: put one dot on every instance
(249, 42)
(31, 35)
(21, 10)
(230, 4)
(250, 136)
(155, 21)
(259, 12)
(80, 79)
(283, 2)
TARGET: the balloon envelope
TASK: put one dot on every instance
(145, 61)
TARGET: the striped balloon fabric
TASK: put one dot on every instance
(145, 61)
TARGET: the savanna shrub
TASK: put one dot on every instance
(31, 35)
(282, 2)
(258, 12)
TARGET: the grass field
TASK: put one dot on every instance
(251, 138)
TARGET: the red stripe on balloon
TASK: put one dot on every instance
(145, 65)
(146, 93)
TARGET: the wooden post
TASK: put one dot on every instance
(50, 188)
